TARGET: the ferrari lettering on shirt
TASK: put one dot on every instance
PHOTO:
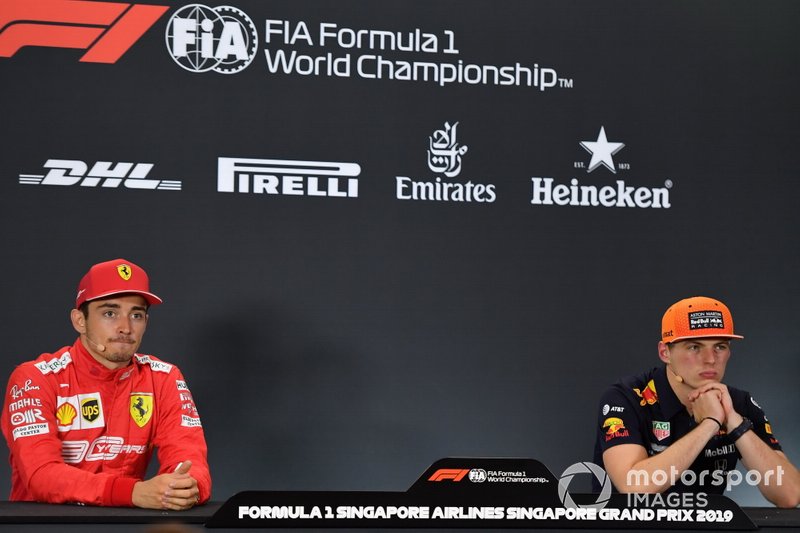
(103, 448)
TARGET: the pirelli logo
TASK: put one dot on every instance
(106, 30)
(288, 177)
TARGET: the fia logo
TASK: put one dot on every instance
(202, 38)
(477, 475)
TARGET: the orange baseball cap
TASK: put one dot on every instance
(698, 316)
(114, 277)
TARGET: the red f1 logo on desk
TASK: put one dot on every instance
(106, 29)
(454, 474)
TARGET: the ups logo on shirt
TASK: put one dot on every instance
(90, 409)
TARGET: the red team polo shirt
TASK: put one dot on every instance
(79, 432)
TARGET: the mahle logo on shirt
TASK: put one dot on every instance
(141, 408)
(660, 429)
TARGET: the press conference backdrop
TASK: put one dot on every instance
(389, 232)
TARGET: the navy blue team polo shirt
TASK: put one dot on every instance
(644, 410)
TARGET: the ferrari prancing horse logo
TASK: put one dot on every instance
(124, 271)
(141, 408)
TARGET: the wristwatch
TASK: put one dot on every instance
(740, 430)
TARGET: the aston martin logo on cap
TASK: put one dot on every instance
(124, 271)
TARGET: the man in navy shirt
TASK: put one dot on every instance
(677, 427)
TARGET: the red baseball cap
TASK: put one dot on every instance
(114, 277)
(698, 316)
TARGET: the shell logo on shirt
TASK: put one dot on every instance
(141, 408)
(66, 413)
(648, 396)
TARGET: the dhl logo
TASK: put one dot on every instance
(452, 474)
(105, 29)
(649, 395)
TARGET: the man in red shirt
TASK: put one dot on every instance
(82, 422)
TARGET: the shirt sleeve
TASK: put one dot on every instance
(761, 425)
(617, 421)
(31, 431)
(180, 436)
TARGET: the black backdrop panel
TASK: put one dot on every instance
(341, 335)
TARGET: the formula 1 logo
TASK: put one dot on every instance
(67, 172)
(105, 29)
(202, 38)
(449, 474)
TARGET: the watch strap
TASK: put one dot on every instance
(740, 430)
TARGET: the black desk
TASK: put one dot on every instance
(31, 517)
(44, 513)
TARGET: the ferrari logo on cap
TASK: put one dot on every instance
(124, 271)
(141, 408)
